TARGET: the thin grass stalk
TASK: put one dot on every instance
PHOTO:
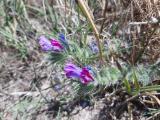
(85, 11)
(149, 88)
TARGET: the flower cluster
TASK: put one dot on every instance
(71, 70)
(52, 45)
(93, 47)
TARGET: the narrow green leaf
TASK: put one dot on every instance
(127, 85)
(135, 81)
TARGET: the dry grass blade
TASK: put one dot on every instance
(86, 12)
(156, 99)
(154, 117)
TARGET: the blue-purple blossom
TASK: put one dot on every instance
(63, 40)
(73, 71)
(93, 46)
(57, 87)
(89, 68)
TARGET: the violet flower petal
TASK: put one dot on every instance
(45, 43)
(86, 76)
(72, 71)
(56, 45)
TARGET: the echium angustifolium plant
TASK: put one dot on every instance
(60, 50)
(79, 63)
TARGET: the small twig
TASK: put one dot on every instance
(104, 16)
(142, 23)
(130, 111)
(24, 93)
(145, 45)
(37, 88)
(120, 108)
(153, 97)
(156, 116)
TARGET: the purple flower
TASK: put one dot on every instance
(45, 43)
(50, 45)
(72, 71)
